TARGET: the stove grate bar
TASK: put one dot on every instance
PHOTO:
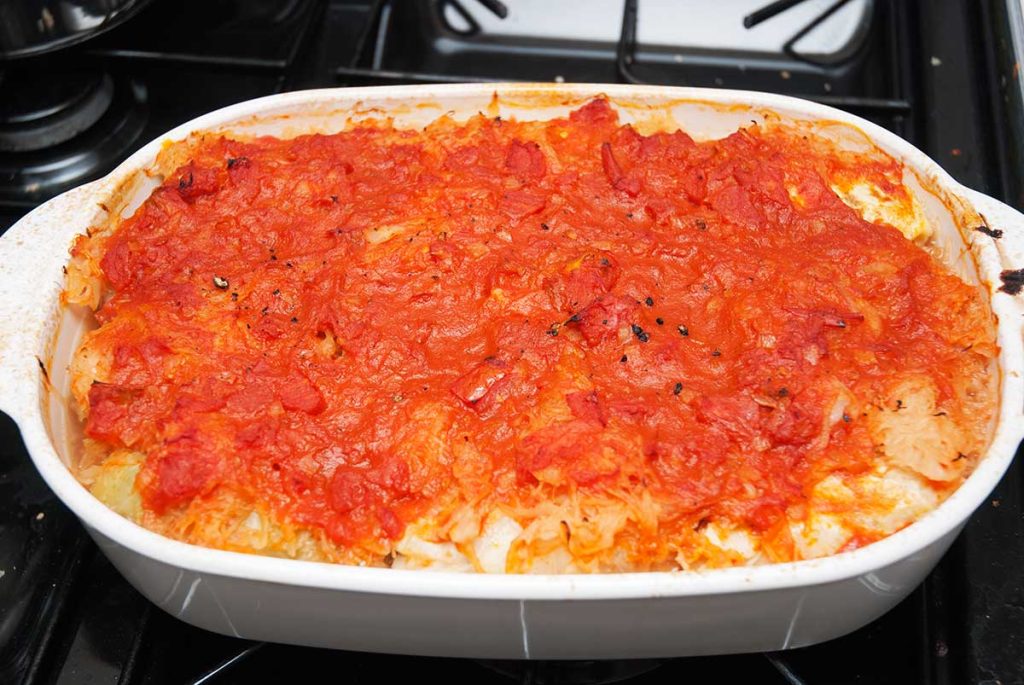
(780, 665)
(227, 664)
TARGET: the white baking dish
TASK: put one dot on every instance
(540, 617)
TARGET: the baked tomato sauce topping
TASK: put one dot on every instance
(363, 329)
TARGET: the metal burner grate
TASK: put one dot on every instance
(369, 63)
(625, 59)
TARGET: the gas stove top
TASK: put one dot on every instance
(938, 74)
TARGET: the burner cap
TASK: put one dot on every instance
(39, 111)
(70, 131)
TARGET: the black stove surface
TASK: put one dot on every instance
(932, 72)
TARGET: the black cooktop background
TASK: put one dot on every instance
(67, 616)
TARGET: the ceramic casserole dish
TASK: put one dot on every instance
(632, 615)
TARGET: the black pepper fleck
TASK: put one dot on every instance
(683, 330)
(640, 333)
(623, 359)
(677, 389)
(783, 392)
(994, 233)
(649, 301)
(716, 353)
(660, 321)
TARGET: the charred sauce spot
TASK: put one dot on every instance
(994, 233)
(1013, 281)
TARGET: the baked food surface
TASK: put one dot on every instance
(512, 346)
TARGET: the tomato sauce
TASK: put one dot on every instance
(366, 328)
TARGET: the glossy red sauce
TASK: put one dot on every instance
(572, 307)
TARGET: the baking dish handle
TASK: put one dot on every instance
(33, 253)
